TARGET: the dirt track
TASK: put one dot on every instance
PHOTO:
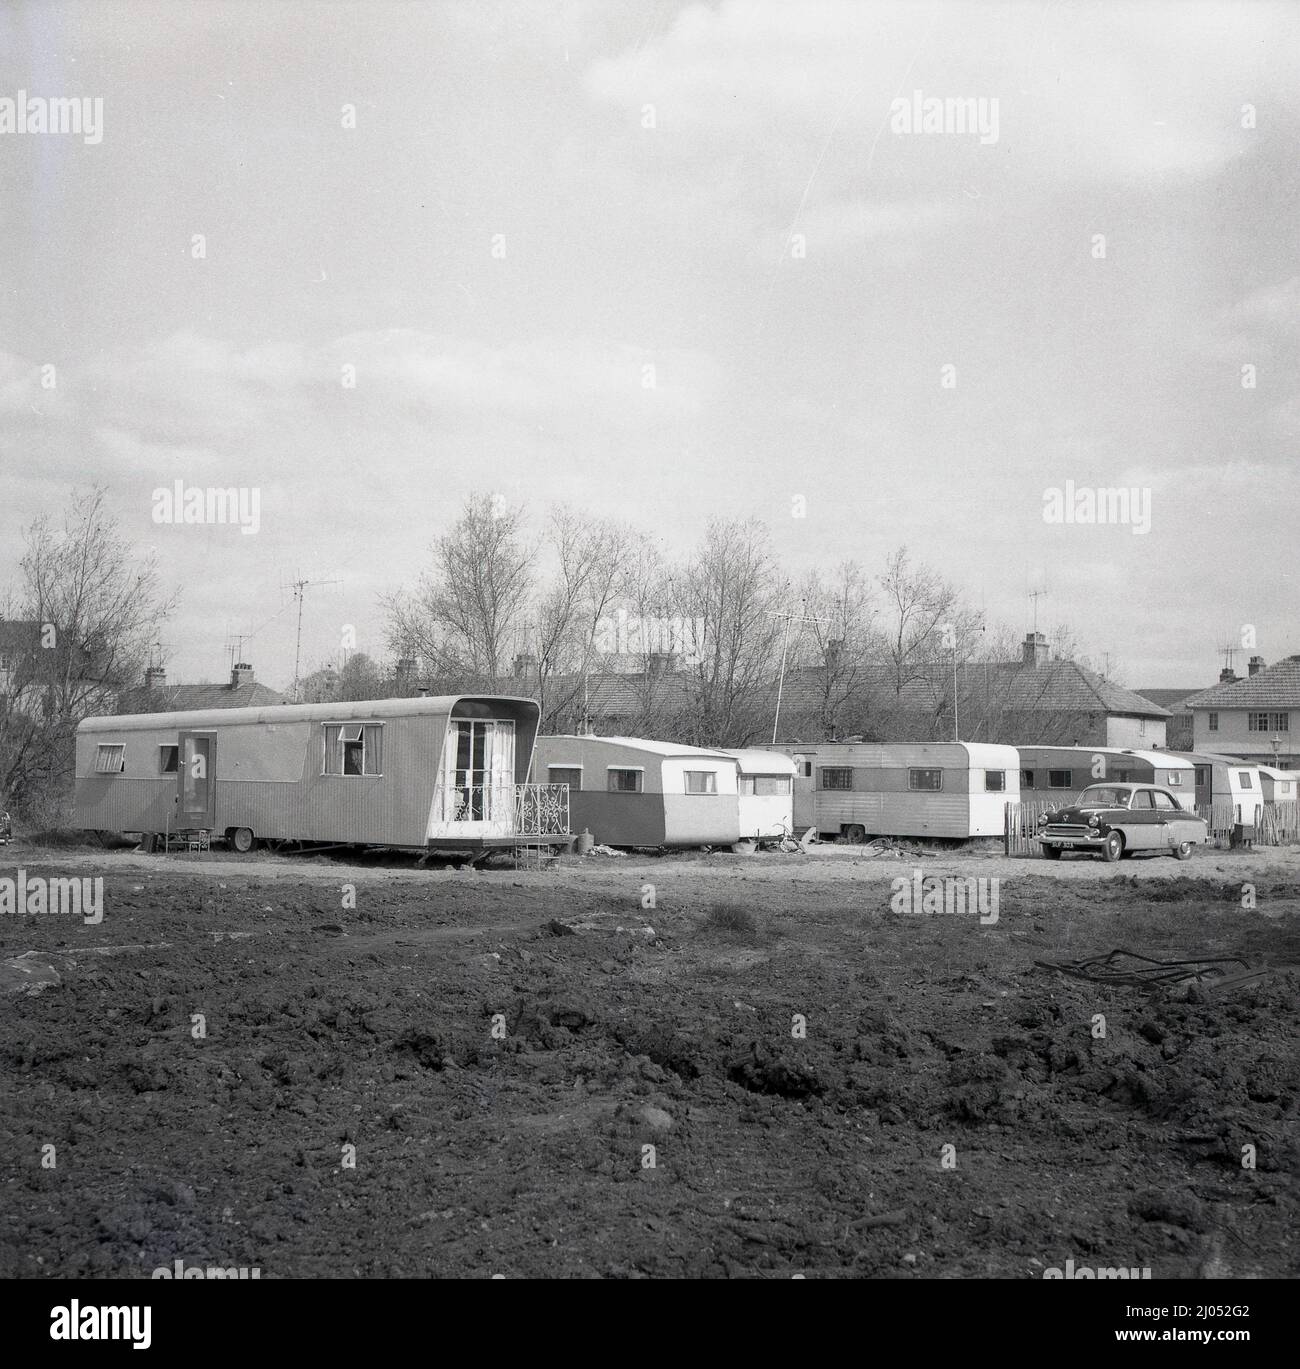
(329, 1026)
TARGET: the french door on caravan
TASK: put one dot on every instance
(477, 792)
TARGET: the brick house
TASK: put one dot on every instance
(1255, 717)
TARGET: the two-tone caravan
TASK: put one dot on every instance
(1055, 774)
(924, 789)
(628, 791)
(445, 773)
(1279, 786)
(765, 786)
(1227, 782)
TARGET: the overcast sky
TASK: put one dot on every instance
(797, 271)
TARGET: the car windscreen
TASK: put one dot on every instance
(1100, 796)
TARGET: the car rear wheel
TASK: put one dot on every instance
(1113, 847)
(1183, 851)
(1053, 852)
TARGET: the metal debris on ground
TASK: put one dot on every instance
(1125, 967)
(887, 846)
(600, 850)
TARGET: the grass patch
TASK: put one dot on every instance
(735, 919)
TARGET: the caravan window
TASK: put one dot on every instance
(1060, 779)
(701, 781)
(925, 779)
(1244, 777)
(168, 759)
(1175, 777)
(764, 786)
(837, 777)
(1026, 779)
(354, 749)
(565, 774)
(995, 779)
(625, 781)
(110, 759)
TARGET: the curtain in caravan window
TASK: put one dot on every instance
(374, 740)
(333, 749)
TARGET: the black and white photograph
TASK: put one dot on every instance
(650, 640)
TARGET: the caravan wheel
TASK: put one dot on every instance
(241, 839)
(855, 834)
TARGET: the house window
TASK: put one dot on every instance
(625, 781)
(1026, 779)
(565, 774)
(168, 759)
(1268, 722)
(837, 777)
(1060, 779)
(701, 781)
(1142, 727)
(1214, 722)
(995, 779)
(110, 759)
(925, 779)
(354, 749)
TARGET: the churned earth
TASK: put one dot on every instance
(768, 1072)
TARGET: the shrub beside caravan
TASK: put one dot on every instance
(629, 791)
(1055, 774)
(765, 784)
(441, 773)
(927, 789)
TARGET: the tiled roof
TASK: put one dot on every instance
(1173, 699)
(1276, 686)
(191, 698)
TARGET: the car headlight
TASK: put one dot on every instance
(1094, 820)
(1042, 819)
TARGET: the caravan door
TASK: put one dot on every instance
(476, 795)
(196, 774)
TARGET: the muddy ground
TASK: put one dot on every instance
(625, 1027)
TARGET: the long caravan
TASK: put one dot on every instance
(856, 790)
(630, 791)
(1057, 774)
(437, 773)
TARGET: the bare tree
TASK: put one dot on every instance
(86, 613)
(467, 610)
(732, 585)
(836, 652)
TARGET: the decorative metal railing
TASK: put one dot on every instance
(526, 810)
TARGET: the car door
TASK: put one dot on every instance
(1173, 823)
(1143, 832)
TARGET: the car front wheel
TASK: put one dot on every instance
(1114, 846)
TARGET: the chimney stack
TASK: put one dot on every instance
(1256, 665)
(525, 664)
(241, 675)
(1035, 650)
(155, 677)
(404, 672)
(1227, 675)
(660, 663)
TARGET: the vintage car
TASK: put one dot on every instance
(1117, 819)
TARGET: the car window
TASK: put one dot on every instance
(1163, 801)
(1144, 799)
(1103, 796)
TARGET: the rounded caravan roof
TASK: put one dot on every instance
(993, 754)
(654, 748)
(357, 710)
(755, 761)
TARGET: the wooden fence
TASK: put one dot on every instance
(1279, 826)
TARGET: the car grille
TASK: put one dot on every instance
(1068, 829)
